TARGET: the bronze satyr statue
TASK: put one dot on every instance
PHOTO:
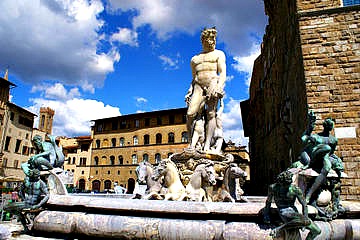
(284, 194)
(34, 194)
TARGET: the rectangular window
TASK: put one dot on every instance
(25, 121)
(85, 147)
(123, 124)
(17, 146)
(83, 161)
(100, 127)
(171, 119)
(114, 125)
(159, 120)
(351, 2)
(7, 143)
(25, 150)
(16, 163)
(147, 122)
(137, 123)
(4, 163)
(184, 118)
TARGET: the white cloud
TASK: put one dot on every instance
(56, 91)
(141, 100)
(239, 22)
(72, 117)
(125, 36)
(55, 40)
(245, 64)
(232, 123)
(169, 63)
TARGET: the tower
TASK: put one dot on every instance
(46, 119)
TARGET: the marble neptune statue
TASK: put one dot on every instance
(205, 92)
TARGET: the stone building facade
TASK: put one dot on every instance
(16, 125)
(120, 143)
(310, 60)
(77, 153)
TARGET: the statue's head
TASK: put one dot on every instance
(284, 177)
(37, 139)
(34, 174)
(208, 38)
(328, 124)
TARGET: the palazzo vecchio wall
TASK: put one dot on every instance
(310, 59)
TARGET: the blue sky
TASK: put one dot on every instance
(96, 59)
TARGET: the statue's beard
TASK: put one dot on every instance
(209, 47)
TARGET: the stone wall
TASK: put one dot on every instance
(331, 53)
(308, 5)
(277, 98)
(309, 60)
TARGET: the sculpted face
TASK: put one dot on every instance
(208, 39)
(37, 140)
(209, 44)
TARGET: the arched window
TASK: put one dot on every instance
(134, 159)
(135, 140)
(112, 160)
(113, 142)
(184, 137)
(122, 142)
(73, 160)
(171, 138)
(42, 121)
(96, 160)
(121, 159)
(107, 184)
(158, 138)
(98, 143)
(146, 139)
(157, 157)
(145, 157)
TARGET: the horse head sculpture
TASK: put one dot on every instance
(203, 176)
(144, 174)
(172, 182)
(232, 173)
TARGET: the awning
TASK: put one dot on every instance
(11, 179)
